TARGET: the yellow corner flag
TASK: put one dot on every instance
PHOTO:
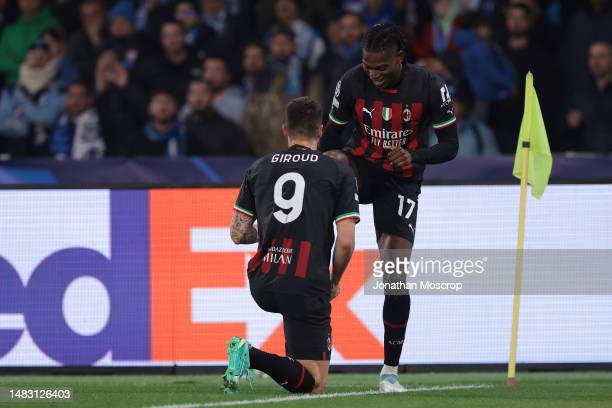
(532, 163)
(533, 137)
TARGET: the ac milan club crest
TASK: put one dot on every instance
(407, 114)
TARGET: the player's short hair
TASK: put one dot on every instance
(304, 116)
(385, 36)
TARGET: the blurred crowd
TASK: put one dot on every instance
(95, 78)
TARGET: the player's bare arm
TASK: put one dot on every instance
(242, 230)
(343, 249)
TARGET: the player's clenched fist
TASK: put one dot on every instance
(398, 156)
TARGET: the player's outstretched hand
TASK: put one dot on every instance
(335, 290)
(398, 156)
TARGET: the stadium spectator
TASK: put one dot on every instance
(485, 66)
(380, 11)
(343, 55)
(282, 60)
(309, 45)
(543, 27)
(524, 51)
(525, 54)
(163, 134)
(122, 36)
(257, 77)
(475, 137)
(120, 104)
(221, 27)
(332, 33)
(228, 99)
(590, 116)
(484, 6)
(77, 132)
(351, 32)
(33, 19)
(67, 71)
(265, 102)
(316, 12)
(448, 66)
(215, 16)
(185, 13)
(439, 34)
(158, 54)
(67, 13)
(151, 14)
(173, 67)
(8, 13)
(87, 44)
(209, 133)
(373, 11)
(593, 21)
(29, 109)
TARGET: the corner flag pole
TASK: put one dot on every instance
(518, 266)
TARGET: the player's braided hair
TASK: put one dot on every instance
(385, 36)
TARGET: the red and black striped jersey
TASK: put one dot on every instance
(296, 196)
(392, 117)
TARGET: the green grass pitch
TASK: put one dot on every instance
(537, 390)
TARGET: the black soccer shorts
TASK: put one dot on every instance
(306, 319)
(395, 199)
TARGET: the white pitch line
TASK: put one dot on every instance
(321, 396)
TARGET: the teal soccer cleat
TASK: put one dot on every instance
(237, 365)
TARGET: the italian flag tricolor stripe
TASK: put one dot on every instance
(444, 124)
(244, 211)
(336, 121)
(347, 215)
(386, 113)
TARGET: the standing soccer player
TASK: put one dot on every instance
(393, 104)
(295, 196)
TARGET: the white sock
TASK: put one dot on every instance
(386, 370)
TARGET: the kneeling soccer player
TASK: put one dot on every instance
(295, 196)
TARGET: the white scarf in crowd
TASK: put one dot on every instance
(35, 80)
